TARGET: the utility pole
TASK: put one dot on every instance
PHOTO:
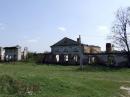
(80, 53)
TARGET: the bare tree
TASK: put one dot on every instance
(121, 29)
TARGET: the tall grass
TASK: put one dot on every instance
(22, 78)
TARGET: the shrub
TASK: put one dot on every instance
(8, 85)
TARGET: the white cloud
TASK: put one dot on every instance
(32, 41)
(61, 29)
(104, 30)
(2, 26)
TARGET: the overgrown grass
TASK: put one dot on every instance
(19, 88)
(68, 81)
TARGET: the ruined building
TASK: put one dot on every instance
(68, 51)
(13, 53)
(69, 46)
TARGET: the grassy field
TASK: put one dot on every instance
(68, 81)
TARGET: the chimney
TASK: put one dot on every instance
(79, 40)
(108, 47)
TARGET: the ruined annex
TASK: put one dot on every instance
(71, 52)
(13, 53)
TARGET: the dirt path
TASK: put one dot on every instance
(126, 91)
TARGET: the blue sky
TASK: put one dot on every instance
(38, 24)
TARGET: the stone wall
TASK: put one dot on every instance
(63, 59)
(108, 59)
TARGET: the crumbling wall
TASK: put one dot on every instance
(63, 59)
(109, 59)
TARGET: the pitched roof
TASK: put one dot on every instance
(66, 42)
(69, 42)
(13, 47)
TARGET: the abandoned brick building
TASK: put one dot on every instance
(68, 51)
(13, 53)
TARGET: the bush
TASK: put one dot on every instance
(8, 85)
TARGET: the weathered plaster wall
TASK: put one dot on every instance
(66, 50)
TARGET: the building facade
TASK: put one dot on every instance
(13, 53)
(69, 46)
(68, 51)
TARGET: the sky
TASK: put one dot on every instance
(38, 24)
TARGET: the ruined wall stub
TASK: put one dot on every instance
(109, 59)
(2, 54)
(25, 54)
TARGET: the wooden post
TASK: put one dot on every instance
(81, 52)
(81, 61)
